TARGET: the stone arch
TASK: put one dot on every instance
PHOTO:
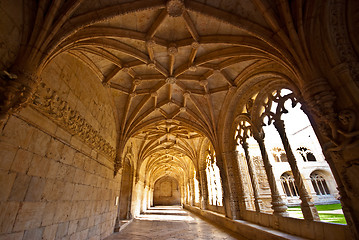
(166, 191)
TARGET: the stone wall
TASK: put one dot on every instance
(166, 192)
(50, 187)
(83, 92)
(54, 183)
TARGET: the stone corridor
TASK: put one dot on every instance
(234, 110)
(170, 223)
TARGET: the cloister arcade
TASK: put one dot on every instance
(232, 110)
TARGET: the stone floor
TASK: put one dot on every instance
(172, 223)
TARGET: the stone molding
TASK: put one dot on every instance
(51, 105)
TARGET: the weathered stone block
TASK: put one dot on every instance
(49, 214)
(39, 119)
(7, 153)
(67, 155)
(82, 224)
(53, 167)
(79, 160)
(39, 142)
(49, 232)
(76, 142)
(8, 211)
(19, 187)
(39, 166)
(32, 234)
(68, 191)
(63, 210)
(53, 190)
(17, 132)
(29, 216)
(61, 171)
(12, 236)
(79, 176)
(80, 235)
(62, 230)
(72, 227)
(62, 134)
(55, 149)
(35, 190)
(6, 183)
(70, 174)
(22, 161)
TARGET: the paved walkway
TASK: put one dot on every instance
(171, 223)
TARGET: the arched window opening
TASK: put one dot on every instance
(306, 154)
(319, 184)
(288, 185)
(215, 194)
(311, 157)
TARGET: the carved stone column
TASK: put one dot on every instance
(204, 189)
(337, 133)
(278, 205)
(117, 221)
(307, 206)
(239, 198)
(192, 193)
(257, 201)
(225, 186)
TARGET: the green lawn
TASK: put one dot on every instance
(325, 217)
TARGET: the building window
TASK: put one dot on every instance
(279, 154)
(319, 184)
(288, 185)
(214, 181)
(306, 154)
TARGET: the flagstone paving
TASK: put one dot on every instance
(171, 223)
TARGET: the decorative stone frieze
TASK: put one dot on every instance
(49, 103)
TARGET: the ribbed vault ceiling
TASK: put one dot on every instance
(170, 66)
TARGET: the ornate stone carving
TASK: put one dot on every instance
(347, 119)
(49, 103)
(171, 80)
(338, 23)
(175, 8)
(16, 91)
(172, 49)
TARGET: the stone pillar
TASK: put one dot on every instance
(349, 213)
(239, 198)
(257, 201)
(204, 189)
(225, 187)
(307, 206)
(278, 205)
(117, 221)
(191, 189)
(144, 199)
